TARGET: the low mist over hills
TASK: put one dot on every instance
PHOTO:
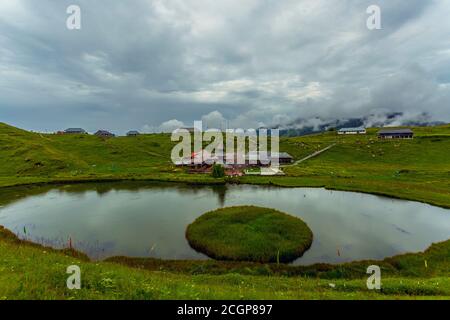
(389, 119)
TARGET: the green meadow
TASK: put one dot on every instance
(417, 169)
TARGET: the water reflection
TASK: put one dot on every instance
(149, 219)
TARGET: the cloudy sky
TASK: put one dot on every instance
(155, 64)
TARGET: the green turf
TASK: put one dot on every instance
(30, 271)
(249, 233)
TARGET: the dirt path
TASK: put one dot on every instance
(312, 155)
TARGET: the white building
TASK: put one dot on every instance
(359, 130)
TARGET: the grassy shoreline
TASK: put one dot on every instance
(31, 271)
(283, 182)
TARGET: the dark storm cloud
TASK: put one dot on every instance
(141, 63)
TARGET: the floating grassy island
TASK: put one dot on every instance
(249, 233)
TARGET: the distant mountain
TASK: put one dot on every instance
(302, 126)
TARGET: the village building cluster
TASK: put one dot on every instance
(251, 163)
(235, 164)
(257, 158)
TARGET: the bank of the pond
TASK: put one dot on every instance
(30, 271)
(249, 233)
(412, 191)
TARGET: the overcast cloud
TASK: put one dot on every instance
(155, 65)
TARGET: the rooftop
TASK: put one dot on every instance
(353, 129)
(74, 130)
(105, 132)
(395, 131)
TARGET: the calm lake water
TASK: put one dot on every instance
(149, 220)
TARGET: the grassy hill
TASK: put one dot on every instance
(27, 156)
(416, 169)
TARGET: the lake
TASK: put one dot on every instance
(149, 219)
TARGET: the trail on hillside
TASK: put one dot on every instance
(312, 155)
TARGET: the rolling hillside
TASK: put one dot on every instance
(26, 156)
(417, 169)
